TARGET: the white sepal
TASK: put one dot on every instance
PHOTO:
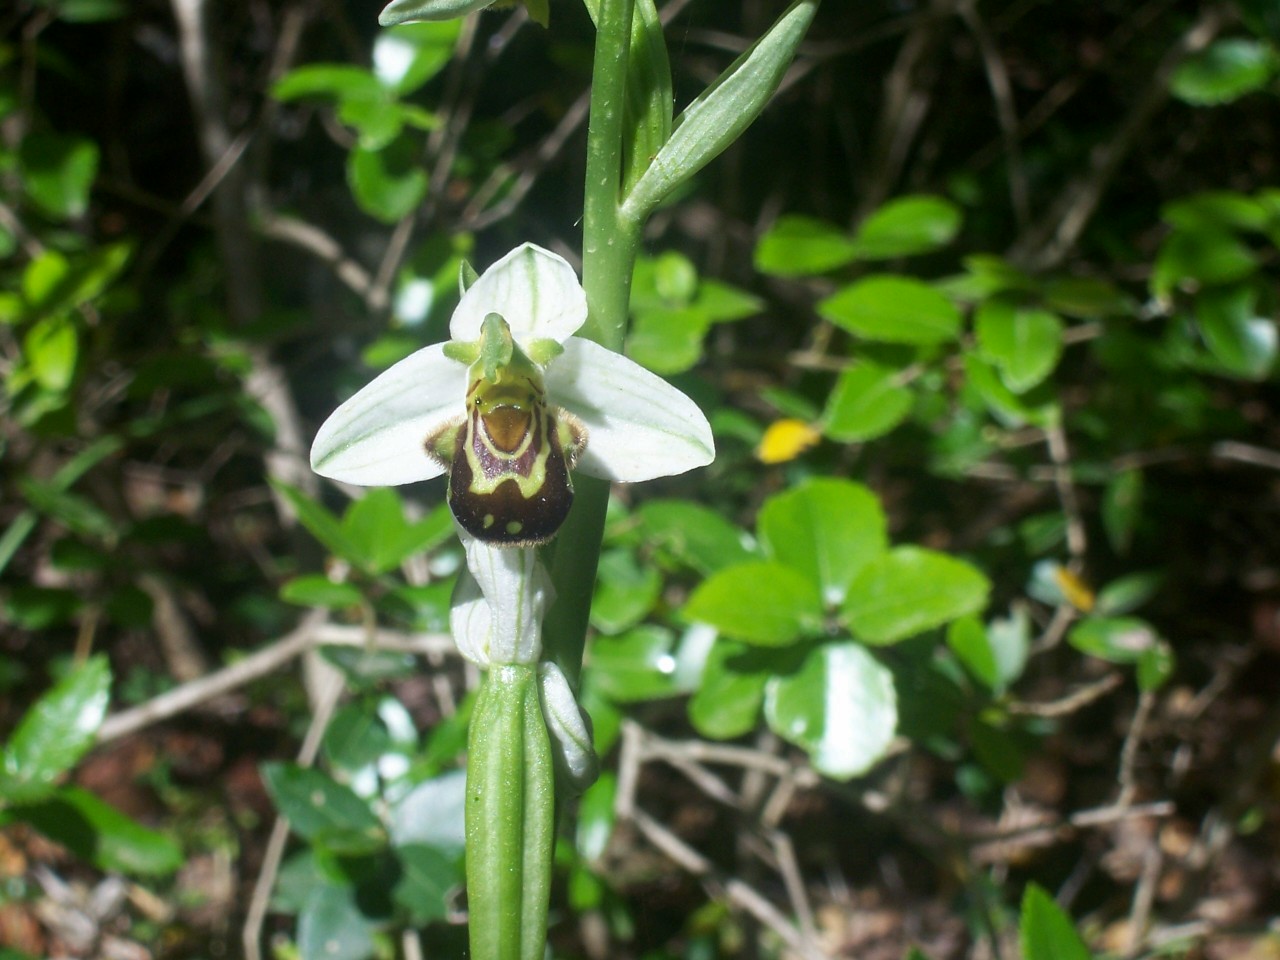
(640, 426)
(377, 437)
(571, 742)
(534, 290)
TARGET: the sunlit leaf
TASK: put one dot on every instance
(1024, 343)
(826, 528)
(893, 309)
(728, 701)
(906, 226)
(101, 835)
(58, 171)
(56, 731)
(866, 402)
(1224, 71)
(840, 706)
(799, 246)
(1045, 932)
(1241, 340)
(760, 602)
(910, 590)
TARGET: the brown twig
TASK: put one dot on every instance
(312, 631)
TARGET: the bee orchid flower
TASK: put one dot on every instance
(512, 404)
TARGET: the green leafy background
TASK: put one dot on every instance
(986, 667)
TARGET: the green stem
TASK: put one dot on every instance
(510, 818)
(609, 244)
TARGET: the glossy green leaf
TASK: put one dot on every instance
(1024, 343)
(1155, 667)
(356, 737)
(666, 341)
(827, 529)
(719, 302)
(693, 535)
(1010, 640)
(722, 112)
(1224, 71)
(316, 805)
(406, 57)
(800, 246)
(866, 402)
(338, 80)
(728, 701)
(1217, 210)
(840, 707)
(51, 348)
(332, 926)
(71, 471)
(968, 640)
(322, 524)
(1114, 639)
(893, 309)
(56, 731)
(910, 590)
(426, 883)
(89, 11)
(101, 835)
(1241, 340)
(317, 590)
(1190, 259)
(1122, 508)
(987, 275)
(1128, 593)
(998, 749)
(426, 607)
(1007, 406)
(432, 814)
(54, 284)
(366, 668)
(625, 592)
(760, 602)
(377, 120)
(675, 278)
(637, 665)
(37, 608)
(1045, 932)
(906, 226)
(58, 172)
(78, 514)
(376, 527)
(596, 818)
(1089, 298)
(388, 184)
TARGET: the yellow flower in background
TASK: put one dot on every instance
(786, 439)
(1078, 593)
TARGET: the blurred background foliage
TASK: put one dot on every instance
(966, 644)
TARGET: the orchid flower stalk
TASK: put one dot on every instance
(509, 409)
(530, 391)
